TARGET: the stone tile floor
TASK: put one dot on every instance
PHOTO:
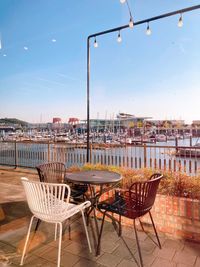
(42, 251)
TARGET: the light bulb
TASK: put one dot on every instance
(180, 21)
(131, 23)
(95, 43)
(122, 1)
(148, 31)
(25, 48)
(53, 40)
(4, 55)
(119, 38)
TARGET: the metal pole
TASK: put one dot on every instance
(88, 100)
(180, 11)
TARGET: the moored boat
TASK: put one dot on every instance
(193, 151)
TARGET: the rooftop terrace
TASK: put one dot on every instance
(14, 219)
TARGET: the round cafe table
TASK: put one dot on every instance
(94, 177)
(106, 180)
(98, 182)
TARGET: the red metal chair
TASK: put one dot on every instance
(133, 203)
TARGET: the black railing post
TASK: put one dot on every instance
(48, 152)
(190, 140)
(16, 154)
(176, 144)
(145, 156)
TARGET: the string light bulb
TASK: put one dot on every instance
(148, 30)
(95, 43)
(122, 1)
(180, 21)
(119, 38)
(131, 22)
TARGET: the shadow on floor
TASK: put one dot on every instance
(13, 210)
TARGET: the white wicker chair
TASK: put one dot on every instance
(46, 202)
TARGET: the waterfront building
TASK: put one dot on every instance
(121, 123)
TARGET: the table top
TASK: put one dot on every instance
(94, 177)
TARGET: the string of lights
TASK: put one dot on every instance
(131, 23)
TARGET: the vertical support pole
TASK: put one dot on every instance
(190, 140)
(48, 151)
(16, 158)
(176, 144)
(91, 153)
(88, 100)
(145, 156)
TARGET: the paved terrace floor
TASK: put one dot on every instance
(14, 219)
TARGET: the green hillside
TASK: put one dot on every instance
(9, 121)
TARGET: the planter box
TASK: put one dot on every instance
(179, 217)
(173, 216)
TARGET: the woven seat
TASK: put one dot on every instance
(133, 203)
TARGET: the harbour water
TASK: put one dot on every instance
(161, 154)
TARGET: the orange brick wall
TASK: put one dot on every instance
(174, 216)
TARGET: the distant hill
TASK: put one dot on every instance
(10, 121)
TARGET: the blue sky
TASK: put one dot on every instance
(155, 76)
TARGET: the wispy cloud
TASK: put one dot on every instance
(50, 81)
(67, 76)
(36, 86)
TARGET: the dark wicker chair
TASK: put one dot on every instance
(132, 203)
(54, 172)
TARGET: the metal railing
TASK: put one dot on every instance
(31, 154)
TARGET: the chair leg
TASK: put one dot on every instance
(100, 234)
(120, 225)
(86, 231)
(55, 234)
(138, 245)
(27, 238)
(88, 215)
(59, 244)
(37, 224)
(155, 230)
(141, 224)
(69, 229)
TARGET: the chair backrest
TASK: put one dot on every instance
(46, 200)
(143, 194)
(51, 172)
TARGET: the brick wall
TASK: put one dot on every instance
(174, 216)
(179, 217)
